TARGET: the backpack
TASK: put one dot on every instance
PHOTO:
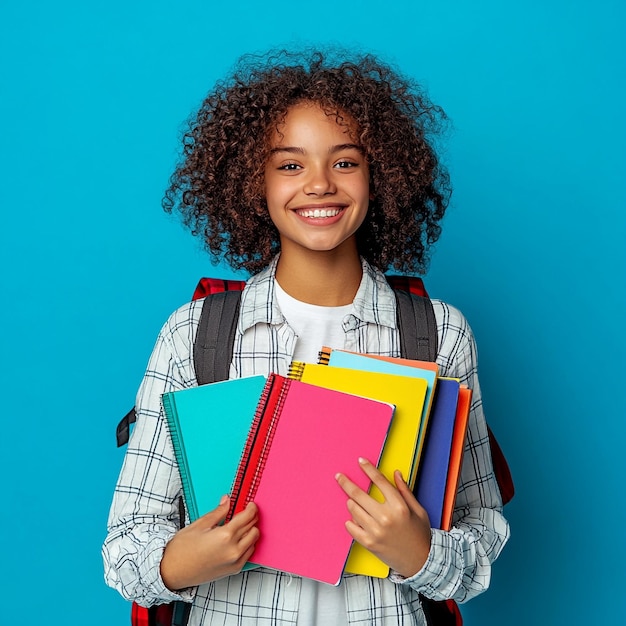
(212, 356)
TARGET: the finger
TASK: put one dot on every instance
(243, 521)
(352, 490)
(379, 479)
(250, 511)
(248, 552)
(356, 532)
(246, 546)
(249, 540)
(408, 495)
(361, 516)
(243, 524)
(365, 509)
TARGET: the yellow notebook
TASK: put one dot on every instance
(391, 365)
(408, 394)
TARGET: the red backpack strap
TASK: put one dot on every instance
(139, 615)
(207, 286)
(501, 469)
(412, 284)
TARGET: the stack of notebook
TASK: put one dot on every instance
(279, 441)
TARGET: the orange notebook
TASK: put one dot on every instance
(301, 436)
(456, 455)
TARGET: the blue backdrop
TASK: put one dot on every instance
(92, 98)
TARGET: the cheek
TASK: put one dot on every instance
(363, 191)
(275, 187)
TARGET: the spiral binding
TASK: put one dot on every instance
(249, 445)
(267, 444)
(324, 356)
(296, 369)
(179, 452)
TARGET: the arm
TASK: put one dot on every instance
(144, 518)
(144, 514)
(459, 563)
(438, 564)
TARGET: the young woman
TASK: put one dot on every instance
(317, 175)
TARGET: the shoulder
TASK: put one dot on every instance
(457, 346)
(179, 330)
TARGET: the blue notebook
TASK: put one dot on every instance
(202, 444)
(432, 478)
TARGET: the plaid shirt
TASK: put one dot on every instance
(144, 513)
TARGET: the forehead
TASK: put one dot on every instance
(308, 119)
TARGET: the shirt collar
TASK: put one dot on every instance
(374, 301)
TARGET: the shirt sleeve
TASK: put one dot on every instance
(459, 563)
(144, 514)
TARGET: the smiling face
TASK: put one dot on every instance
(316, 182)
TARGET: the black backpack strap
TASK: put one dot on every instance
(212, 350)
(122, 432)
(418, 327)
(213, 346)
(419, 340)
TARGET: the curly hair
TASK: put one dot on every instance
(218, 185)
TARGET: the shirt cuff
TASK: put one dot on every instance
(150, 572)
(439, 578)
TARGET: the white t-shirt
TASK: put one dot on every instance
(316, 327)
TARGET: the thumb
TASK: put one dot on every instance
(217, 515)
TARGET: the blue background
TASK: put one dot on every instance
(92, 99)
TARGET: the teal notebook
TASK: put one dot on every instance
(388, 365)
(209, 426)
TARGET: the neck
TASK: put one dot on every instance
(322, 278)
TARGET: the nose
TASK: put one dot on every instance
(319, 182)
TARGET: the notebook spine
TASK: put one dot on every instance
(324, 356)
(169, 409)
(267, 443)
(253, 434)
(296, 370)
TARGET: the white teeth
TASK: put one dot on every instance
(319, 212)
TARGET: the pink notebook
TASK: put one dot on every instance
(301, 437)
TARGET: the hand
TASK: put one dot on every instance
(205, 551)
(397, 530)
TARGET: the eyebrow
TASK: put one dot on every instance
(332, 150)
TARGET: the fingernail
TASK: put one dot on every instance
(362, 461)
(224, 500)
